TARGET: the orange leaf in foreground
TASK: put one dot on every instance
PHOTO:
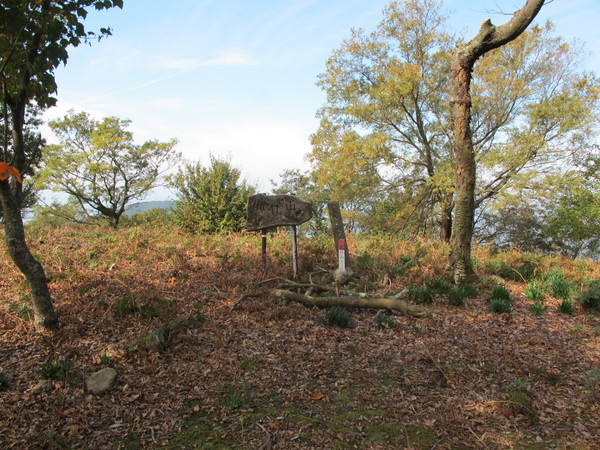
(7, 170)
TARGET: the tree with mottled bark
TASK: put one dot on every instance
(465, 56)
(33, 43)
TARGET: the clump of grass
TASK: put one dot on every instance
(500, 301)
(197, 315)
(459, 293)
(382, 320)
(237, 396)
(421, 295)
(125, 306)
(535, 291)
(566, 307)
(22, 308)
(439, 285)
(590, 298)
(500, 306)
(4, 381)
(500, 292)
(523, 403)
(249, 364)
(537, 308)
(578, 328)
(592, 379)
(337, 316)
(522, 269)
(56, 369)
(559, 287)
(105, 358)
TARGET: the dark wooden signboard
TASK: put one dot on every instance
(266, 211)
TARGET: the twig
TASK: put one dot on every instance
(477, 437)
(243, 297)
(439, 369)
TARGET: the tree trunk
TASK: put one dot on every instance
(44, 314)
(465, 56)
(11, 201)
(337, 228)
(464, 193)
(446, 223)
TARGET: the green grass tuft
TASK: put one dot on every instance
(566, 307)
(421, 295)
(337, 316)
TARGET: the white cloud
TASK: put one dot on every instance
(232, 58)
(226, 59)
(261, 149)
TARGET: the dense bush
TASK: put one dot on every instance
(590, 298)
(459, 293)
(210, 199)
(337, 316)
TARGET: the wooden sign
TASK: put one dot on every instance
(266, 211)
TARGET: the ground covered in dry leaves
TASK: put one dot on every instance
(243, 369)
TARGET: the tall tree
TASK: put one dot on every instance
(465, 56)
(385, 135)
(98, 163)
(35, 37)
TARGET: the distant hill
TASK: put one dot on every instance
(147, 206)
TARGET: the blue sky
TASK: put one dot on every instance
(237, 78)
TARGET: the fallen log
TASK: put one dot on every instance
(394, 304)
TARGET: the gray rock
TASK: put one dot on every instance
(101, 381)
(42, 386)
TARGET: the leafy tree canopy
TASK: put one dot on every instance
(210, 199)
(385, 128)
(100, 166)
(36, 35)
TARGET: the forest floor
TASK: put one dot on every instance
(244, 369)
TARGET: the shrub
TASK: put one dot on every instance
(590, 298)
(154, 216)
(561, 289)
(558, 286)
(537, 308)
(210, 199)
(500, 306)
(535, 291)
(522, 270)
(500, 292)
(421, 295)
(439, 285)
(566, 307)
(459, 293)
(337, 316)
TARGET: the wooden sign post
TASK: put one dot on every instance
(267, 211)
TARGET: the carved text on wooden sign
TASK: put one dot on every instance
(265, 211)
